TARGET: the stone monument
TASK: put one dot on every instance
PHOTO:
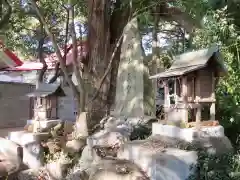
(134, 93)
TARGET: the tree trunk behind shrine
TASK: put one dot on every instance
(105, 28)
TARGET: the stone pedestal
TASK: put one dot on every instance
(45, 124)
(32, 151)
(187, 134)
(134, 92)
(159, 165)
(211, 139)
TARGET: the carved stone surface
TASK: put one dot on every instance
(132, 99)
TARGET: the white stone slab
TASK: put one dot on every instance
(12, 153)
(172, 164)
(45, 124)
(21, 137)
(186, 134)
(31, 148)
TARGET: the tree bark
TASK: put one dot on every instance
(58, 52)
(104, 42)
(57, 70)
(98, 43)
(41, 56)
(154, 68)
(76, 63)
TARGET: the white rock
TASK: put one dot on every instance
(12, 153)
(171, 164)
(105, 138)
(113, 122)
(32, 151)
(33, 155)
(187, 134)
(75, 146)
(57, 170)
(85, 161)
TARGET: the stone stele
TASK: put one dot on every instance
(134, 93)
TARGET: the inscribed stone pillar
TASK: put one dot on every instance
(134, 93)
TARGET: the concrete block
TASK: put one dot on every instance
(187, 134)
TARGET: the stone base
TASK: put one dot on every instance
(187, 134)
(32, 153)
(158, 164)
(45, 123)
(133, 120)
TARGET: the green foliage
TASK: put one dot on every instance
(220, 29)
(140, 132)
(215, 167)
(23, 31)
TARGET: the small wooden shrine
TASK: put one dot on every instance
(189, 85)
(46, 100)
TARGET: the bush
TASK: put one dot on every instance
(140, 132)
(213, 167)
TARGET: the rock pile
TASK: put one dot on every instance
(111, 154)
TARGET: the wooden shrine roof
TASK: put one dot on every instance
(192, 61)
(45, 90)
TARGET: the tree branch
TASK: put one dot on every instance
(40, 55)
(107, 70)
(76, 65)
(175, 14)
(57, 66)
(55, 45)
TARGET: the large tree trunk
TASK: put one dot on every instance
(104, 41)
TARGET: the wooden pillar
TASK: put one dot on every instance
(197, 89)
(166, 94)
(175, 91)
(185, 99)
(197, 98)
(198, 117)
(213, 97)
(56, 104)
(166, 99)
